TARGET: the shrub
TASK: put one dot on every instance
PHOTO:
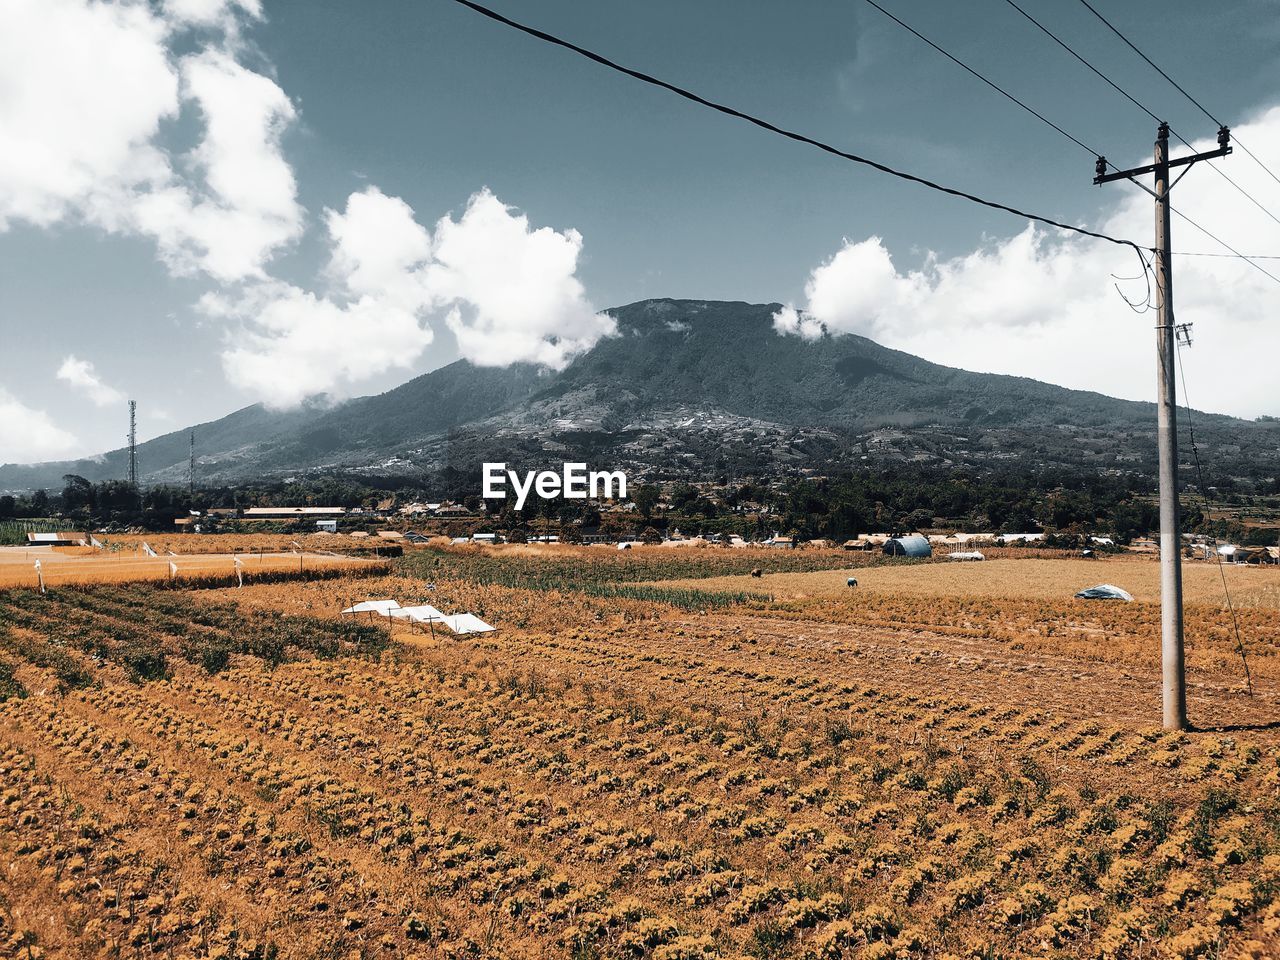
(9, 684)
(215, 659)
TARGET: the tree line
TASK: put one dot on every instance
(836, 507)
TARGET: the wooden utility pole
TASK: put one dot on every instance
(1173, 669)
(1172, 665)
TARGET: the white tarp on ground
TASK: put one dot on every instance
(423, 613)
(375, 606)
(970, 555)
(467, 623)
(1105, 591)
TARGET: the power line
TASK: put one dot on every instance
(828, 148)
(1129, 43)
(1154, 66)
(1136, 102)
(1226, 590)
(1226, 256)
(1049, 33)
(1217, 239)
(990, 83)
(1252, 156)
(1046, 120)
(789, 134)
(1242, 190)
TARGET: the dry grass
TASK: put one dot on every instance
(191, 543)
(833, 776)
(1049, 579)
(17, 567)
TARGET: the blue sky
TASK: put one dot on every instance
(420, 105)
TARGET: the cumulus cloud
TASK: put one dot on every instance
(84, 88)
(298, 344)
(379, 248)
(512, 292)
(28, 435)
(89, 92)
(244, 206)
(82, 378)
(506, 291)
(1043, 304)
(293, 344)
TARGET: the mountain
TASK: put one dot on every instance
(687, 388)
(257, 441)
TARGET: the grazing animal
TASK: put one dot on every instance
(852, 582)
(757, 573)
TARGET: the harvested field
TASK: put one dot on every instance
(188, 544)
(77, 565)
(243, 773)
(1048, 579)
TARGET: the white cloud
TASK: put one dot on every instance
(209, 13)
(789, 320)
(88, 93)
(294, 344)
(84, 379)
(91, 92)
(1043, 304)
(247, 208)
(379, 248)
(83, 90)
(28, 435)
(512, 291)
(92, 96)
(300, 345)
(508, 293)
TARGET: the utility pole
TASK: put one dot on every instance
(191, 466)
(1173, 669)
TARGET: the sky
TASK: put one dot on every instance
(210, 203)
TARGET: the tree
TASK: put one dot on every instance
(683, 495)
(919, 519)
(650, 535)
(612, 526)
(646, 498)
(77, 493)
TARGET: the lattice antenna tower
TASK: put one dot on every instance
(133, 443)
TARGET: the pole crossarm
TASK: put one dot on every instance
(1151, 167)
